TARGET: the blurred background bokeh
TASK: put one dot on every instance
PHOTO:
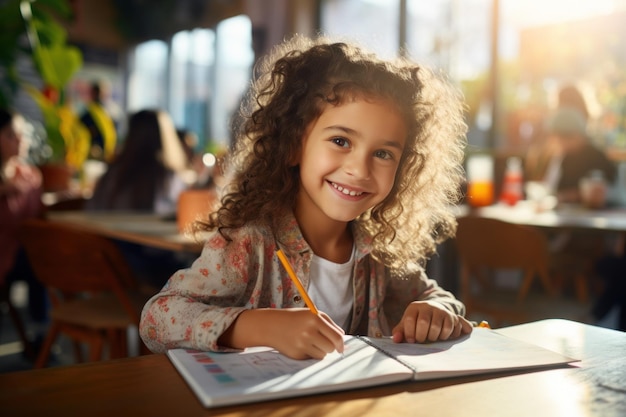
(193, 58)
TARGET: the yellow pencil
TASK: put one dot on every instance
(296, 281)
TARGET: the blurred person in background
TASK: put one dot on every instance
(147, 175)
(20, 199)
(565, 153)
(574, 156)
(100, 123)
(542, 150)
(564, 158)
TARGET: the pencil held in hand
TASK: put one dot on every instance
(296, 281)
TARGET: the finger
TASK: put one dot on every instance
(434, 330)
(408, 328)
(448, 329)
(315, 352)
(316, 346)
(331, 322)
(397, 334)
(462, 326)
(331, 338)
(422, 325)
(458, 326)
(466, 325)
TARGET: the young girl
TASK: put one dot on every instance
(349, 165)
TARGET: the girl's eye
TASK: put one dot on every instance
(382, 154)
(340, 142)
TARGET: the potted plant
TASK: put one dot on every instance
(67, 143)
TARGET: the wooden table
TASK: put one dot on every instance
(607, 223)
(573, 217)
(142, 228)
(149, 385)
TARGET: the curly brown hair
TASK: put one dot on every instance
(292, 86)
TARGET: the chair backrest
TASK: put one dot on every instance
(73, 261)
(500, 245)
(490, 244)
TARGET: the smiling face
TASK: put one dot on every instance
(349, 159)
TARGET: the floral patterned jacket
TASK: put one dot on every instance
(198, 304)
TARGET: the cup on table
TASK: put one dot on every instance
(540, 195)
(593, 190)
(480, 190)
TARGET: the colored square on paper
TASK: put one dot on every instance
(213, 369)
(224, 378)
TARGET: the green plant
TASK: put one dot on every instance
(31, 29)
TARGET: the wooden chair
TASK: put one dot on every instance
(486, 246)
(5, 300)
(94, 297)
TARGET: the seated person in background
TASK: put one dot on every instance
(572, 155)
(572, 158)
(147, 175)
(20, 198)
(100, 124)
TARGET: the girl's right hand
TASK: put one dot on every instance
(300, 334)
(294, 332)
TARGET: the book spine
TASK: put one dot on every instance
(391, 355)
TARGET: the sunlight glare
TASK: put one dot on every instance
(540, 12)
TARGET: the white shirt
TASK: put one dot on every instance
(553, 174)
(330, 288)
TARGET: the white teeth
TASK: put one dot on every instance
(346, 191)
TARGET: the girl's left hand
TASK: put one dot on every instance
(429, 321)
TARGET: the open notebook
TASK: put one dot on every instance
(261, 374)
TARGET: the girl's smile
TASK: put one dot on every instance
(346, 191)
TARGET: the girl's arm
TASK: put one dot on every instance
(234, 296)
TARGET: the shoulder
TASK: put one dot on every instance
(246, 236)
(598, 159)
(243, 251)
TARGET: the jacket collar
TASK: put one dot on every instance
(289, 235)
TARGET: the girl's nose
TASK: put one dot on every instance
(357, 166)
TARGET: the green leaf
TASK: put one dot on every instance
(58, 64)
(49, 31)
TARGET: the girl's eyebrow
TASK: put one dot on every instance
(350, 131)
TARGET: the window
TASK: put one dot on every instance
(147, 70)
(369, 22)
(540, 45)
(199, 77)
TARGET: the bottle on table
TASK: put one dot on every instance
(512, 186)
